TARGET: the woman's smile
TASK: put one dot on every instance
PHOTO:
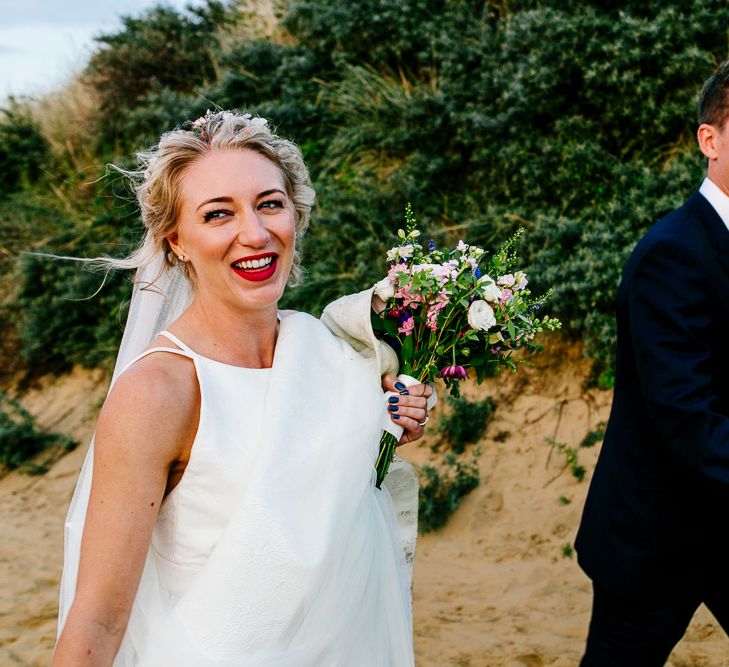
(256, 267)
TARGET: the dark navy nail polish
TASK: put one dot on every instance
(392, 408)
(393, 399)
(399, 386)
(395, 416)
(405, 392)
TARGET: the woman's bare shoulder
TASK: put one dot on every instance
(156, 399)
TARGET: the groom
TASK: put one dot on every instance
(654, 536)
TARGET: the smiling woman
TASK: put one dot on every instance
(226, 513)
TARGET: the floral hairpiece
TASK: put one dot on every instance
(200, 125)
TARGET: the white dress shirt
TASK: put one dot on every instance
(717, 198)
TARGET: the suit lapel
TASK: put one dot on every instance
(714, 226)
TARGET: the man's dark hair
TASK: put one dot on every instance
(713, 105)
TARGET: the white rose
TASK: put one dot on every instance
(491, 292)
(384, 289)
(481, 316)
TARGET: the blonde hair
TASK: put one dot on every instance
(157, 181)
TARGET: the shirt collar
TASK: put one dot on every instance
(716, 197)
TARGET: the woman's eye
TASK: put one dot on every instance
(217, 214)
(272, 204)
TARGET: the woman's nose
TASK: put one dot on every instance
(252, 231)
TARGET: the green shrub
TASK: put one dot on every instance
(441, 490)
(593, 437)
(572, 119)
(20, 437)
(465, 421)
(160, 50)
(23, 150)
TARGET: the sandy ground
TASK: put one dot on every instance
(494, 588)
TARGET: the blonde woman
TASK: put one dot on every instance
(226, 513)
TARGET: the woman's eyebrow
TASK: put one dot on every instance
(229, 200)
(265, 193)
(215, 199)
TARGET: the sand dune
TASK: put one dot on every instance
(495, 588)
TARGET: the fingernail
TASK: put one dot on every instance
(393, 399)
(399, 386)
(395, 416)
(392, 408)
(405, 392)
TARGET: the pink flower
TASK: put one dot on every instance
(506, 294)
(454, 373)
(433, 311)
(407, 326)
(507, 280)
(395, 270)
(409, 299)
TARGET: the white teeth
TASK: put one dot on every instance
(254, 263)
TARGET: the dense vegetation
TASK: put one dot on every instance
(572, 119)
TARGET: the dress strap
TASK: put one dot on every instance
(141, 355)
(177, 342)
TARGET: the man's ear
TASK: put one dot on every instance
(706, 136)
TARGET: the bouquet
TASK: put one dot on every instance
(447, 311)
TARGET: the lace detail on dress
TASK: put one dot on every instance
(402, 484)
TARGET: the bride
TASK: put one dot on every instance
(226, 513)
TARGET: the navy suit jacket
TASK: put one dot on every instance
(656, 517)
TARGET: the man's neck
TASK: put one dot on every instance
(717, 197)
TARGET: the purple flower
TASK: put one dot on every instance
(454, 373)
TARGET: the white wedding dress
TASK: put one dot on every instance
(275, 548)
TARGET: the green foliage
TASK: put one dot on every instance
(161, 50)
(441, 490)
(465, 421)
(574, 120)
(571, 458)
(23, 151)
(20, 437)
(568, 550)
(62, 320)
(593, 437)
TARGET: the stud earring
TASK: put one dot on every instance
(181, 257)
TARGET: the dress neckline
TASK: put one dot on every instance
(186, 348)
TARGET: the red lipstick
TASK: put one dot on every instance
(256, 274)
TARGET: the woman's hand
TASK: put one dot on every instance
(408, 407)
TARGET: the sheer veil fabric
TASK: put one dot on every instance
(314, 565)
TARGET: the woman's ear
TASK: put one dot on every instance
(173, 240)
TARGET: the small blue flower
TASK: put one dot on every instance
(477, 273)
(431, 245)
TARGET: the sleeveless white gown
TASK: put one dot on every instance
(275, 549)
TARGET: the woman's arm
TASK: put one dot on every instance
(147, 421)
